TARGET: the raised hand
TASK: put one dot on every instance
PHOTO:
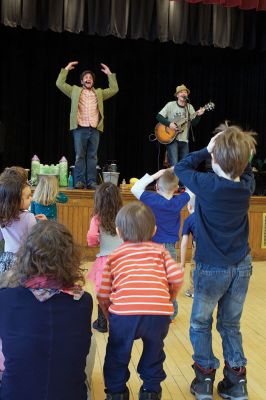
(105, 69)
(71, 65)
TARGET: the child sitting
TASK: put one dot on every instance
(223, 259)
(166, 208)
(45, 197)
(107, 203)
(45, 319)
(189, 228)
(140, 281)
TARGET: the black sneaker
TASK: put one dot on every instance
(145, 395)
(202, 386)
(234, 384)
(117, 396)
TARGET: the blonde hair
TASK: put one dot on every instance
(46, 190)
(168, 182)
(233, 149)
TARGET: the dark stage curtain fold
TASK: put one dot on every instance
(35, 113)
(165, 20)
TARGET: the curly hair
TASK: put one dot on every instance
(15, 172)
(107, 203)
(10, 198)
(49, 251)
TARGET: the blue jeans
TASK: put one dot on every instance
(176, 151)
(123, 330)
(225, 286)
(86, 142)
(172, 250)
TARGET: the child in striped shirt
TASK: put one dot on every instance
(139, 282)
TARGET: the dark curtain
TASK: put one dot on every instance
(165, 20)
(36, 114)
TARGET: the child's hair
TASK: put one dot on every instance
(15, 172)
(168, 182)
(107, 203)
(46, 191)
(233, 149)
(136, 222)
(49, 251)
(10, 198)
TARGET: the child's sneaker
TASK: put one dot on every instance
(234, 384)
(202, 386)
(189, 292)
(145, 395)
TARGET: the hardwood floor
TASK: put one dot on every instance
(178, 348)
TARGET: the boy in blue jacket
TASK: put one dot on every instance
(223, 260)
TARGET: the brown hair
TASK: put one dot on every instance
(10, 198)
(49, 251)
(47, 190)
(233, 149)
(15, 172)
(168, 182)
(136, 222)
(107, 203)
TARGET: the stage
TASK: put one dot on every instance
(76, 215)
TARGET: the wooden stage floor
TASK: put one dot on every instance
(178, 348)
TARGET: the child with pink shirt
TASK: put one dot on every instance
(102, 233)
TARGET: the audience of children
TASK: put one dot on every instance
(189, 228)
(45, 319)
(223, 260)
(102, 232)
(136, 279)
(45, 197)
(140, 281)
(166, 208)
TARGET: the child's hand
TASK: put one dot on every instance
(211, 145)
(41, 217)
(158, 174)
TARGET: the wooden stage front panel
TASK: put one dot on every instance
(76, 215)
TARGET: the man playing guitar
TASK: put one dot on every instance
(174, 111)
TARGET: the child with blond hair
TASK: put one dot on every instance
(166, 207)
(45, 197)
(223, 259)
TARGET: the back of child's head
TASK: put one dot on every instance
(168, 182)
(49, 251)
(135, 222)
(47, 190)
(16, 172)
(107, 203)
(233, 149)
(10, 198)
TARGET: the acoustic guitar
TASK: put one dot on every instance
(166, 135)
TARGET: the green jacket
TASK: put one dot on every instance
(74, 92)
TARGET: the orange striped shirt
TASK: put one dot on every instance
(88, 112)
(136, 279)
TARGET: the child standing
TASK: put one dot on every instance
(223, 260)
(166, 208)
(189, 228)
(102, 232)
(46, 196)
(140, 279)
